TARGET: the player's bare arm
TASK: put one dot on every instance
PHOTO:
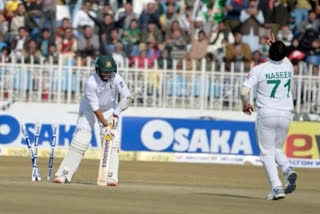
(100, 117)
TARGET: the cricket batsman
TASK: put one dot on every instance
(274, 102)
(100, 98)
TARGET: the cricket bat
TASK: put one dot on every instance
(104, 160)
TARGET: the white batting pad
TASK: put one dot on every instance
(80, 144)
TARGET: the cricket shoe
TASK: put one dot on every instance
(290, 178)
(112, 183)
(277, 193)
(60, 180)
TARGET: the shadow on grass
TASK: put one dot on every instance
(229, 195)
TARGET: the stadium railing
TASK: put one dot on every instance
(178, 87)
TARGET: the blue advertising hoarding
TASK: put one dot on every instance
(188, 136)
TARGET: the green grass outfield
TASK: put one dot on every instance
(149, 187)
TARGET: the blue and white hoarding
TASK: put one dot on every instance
(188, 136)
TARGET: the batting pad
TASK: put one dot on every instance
(114, 165)
(79, 144)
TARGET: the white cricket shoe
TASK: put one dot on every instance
(277, 193)
(60, 179)
(290, 178)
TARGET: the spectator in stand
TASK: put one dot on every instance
(184, 14)
(67, 44)
(295, 52)
(169, 17)
(48, 13)
(199, 46)
(152, 50)
(52, 54)
(35, 7)
(151, 32)
(285, 35)
(31, 53)
(81, 18)
(18, 20)
(307, 38)
(280, 14)
(140, 60)
(118, 55)
(267, 7)
(164, 5)
(19, 42)
(148, 14)
(256, 58)
(315, 71)
(88, 43)
(251, 19)
(219, 34)
(198, 25)
(5, 55)
(220, 53)
(65, 23)
(125, 15)
(106, 25)
(165, 60)
(311, 23)
(176, 44)
(233, 9)
(313, 56)
(2, 42)
(292, 24)
(188, 62)
(175, 27)
(105, 10)
(113, 40)
(301, 10)
(210, 62)
(131, 38)
(103, 39)
(132, 33)
(238, 52)
(44, 42)
(263, 47)
(4, 25)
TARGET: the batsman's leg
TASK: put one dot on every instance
(114, 161)
(79, 145)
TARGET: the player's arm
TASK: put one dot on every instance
(125, 96)
(90, 94)
(249, 83)
(246, 106)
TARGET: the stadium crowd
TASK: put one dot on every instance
(221, 30)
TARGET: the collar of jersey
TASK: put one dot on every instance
(274, 62)
(96, 76)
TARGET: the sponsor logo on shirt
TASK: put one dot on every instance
(121, 84)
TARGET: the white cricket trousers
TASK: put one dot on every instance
(271, 129)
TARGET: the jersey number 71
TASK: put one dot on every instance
(276, 85)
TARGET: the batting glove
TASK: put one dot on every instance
(113, 121)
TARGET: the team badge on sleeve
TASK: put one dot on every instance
(121, 84)
(248, 76)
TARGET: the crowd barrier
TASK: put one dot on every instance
(177, 87)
